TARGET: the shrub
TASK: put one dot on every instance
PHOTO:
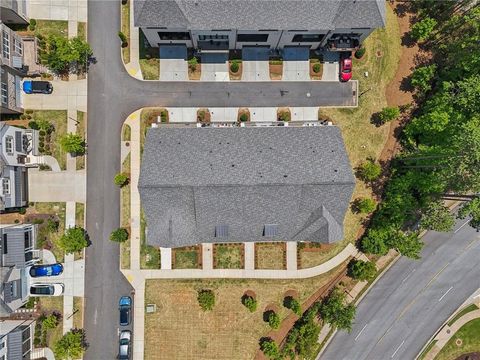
(422, 78)
(365, 205)
(121, 179)
(164, 116)
(119, 235)
(206, 299)
(23, 117)
(234, 66)
(369, 170)
(249, 302)
(72, 143)
(269, 348)
(375, 241)
(74, 239)
(22, 211)
(388, 114)
(316, 68)
(32, 25)
(360, 52)
(33, 125)
(50, 322)
(273, 320)
(244, 117)
(422, 29)
(123, 39)
(293, 304)
(192, 63)
(71, 345)
(362, 270)
(284, 116)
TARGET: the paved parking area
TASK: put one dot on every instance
(214, 67)
(296, 63)
(173, 63)
(255, 64)
(331, 69)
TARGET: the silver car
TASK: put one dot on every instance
(124, 349)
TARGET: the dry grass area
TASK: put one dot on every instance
(126, 31)
(189, 257)
(81, 130)
(181, 330)
(125, 215)
(270, 255)
(228, 256)
(78, 316)
(149, 59)
(48, 305)
(276, 69)
(312, 254)
(195, 73)
(82, 30)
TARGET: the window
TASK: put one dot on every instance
(174, 35)
(6, 45)
(308, 38)
(252, 37)
(6, 186)
(18, 45)
(212, 37)
(4, 93)
(221, 231)
(28, 241)
(5, 249)
(270, 230)
(9, 145)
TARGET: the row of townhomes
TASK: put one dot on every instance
(18, 150)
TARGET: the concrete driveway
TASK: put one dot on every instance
(173, 63)
(296, 63)
(51, 186)
(66, 94)
(255, 63)
(331, 68)
(214, 67)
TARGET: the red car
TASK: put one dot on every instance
(345, 69)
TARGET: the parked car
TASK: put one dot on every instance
(37, 87)
(46, 289)
(345, 69)
(46, 270)
(125, 305)
(124, 346)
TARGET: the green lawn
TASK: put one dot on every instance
(126, 31)
(468, 337)
(186, 258)
(228, 256)
(52, 27)
(471, 307)
(48, 305)
(126, 132)
(149, 255)
(149, 60)
(81, 130)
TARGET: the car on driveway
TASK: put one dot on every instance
(46, 270)
(125, 306)
(46, 289)
(345, 69)
(37, 87)
(124, 345)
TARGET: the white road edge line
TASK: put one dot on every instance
(360, 333)
(461, 226)
(451, 287)
(408, 276)
(398, 348)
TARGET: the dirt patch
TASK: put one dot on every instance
(250, 293)
(469, 356)
(291, 293)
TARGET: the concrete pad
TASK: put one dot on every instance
(214, 67)
(304, 113)
(331, 68)
(263, 114)
(49, 186)
(182, 115)
(255, 64)
(296, 63)
(223, 114)
(65, 94)
(173, 63)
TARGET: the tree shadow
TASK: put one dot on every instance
(376, 120)
(408, 41)
(401, 9)
(406, 84)
(266, 315)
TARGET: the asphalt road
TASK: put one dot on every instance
(413, 299)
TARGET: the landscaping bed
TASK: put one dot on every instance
(189, 257)
(50, 305)
(81, 130)
(228, 256)
(271, 255)
(316, 69)
(312, 254)
(276, 69)
(149, 255)
(149, 59)
(235, 64)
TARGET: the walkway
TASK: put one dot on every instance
(42, 353)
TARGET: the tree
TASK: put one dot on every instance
(375, 241)
(471, 208)
(293, 304)
(73, 143)
(408, 245)
(365, 205)
(334, 311)
(234, 66)
(273, 320)
(71, 345)
(389, 113)
(206, 299)
(192, 63)
(369, 170)
(249, 302)
(437, 217)
(422, 77)
(74, 239)
(62, 55)
(269, 348)
(119, 235)
(422, 29)
(362, 270)
(50, 322)
(121, 179)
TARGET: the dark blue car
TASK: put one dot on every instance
(37, 87)
(46, 270)
(125, 305)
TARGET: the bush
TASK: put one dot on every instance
(121, 179)
(50, 322)
(365, 205)
(206, 299)
(422, 78)
(71, 345)
(369, 170)
(422, 29)
(32, 25)
(273, 320)
(362, 270)
(22, 211)
(123, 39)
(192, 63)
(234, 66)
(244, 117)
(52, 225)
(293, 304)
(75, 239)
(269, 348)
(388, 114)
(375, 241)
(316, 68)
(249, 302)
(33, 125)
(360, 52)
(284, 116)
(119, 235)
(72, 143)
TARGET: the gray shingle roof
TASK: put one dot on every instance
(260, 14)
(193, 180)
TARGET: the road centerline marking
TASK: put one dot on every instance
(360, 333)
(451, 287)
(398, 348)
(436, 275)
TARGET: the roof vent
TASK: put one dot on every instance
(221, 231)
(270, 230)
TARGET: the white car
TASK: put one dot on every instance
(124, 346)
(46, 289)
